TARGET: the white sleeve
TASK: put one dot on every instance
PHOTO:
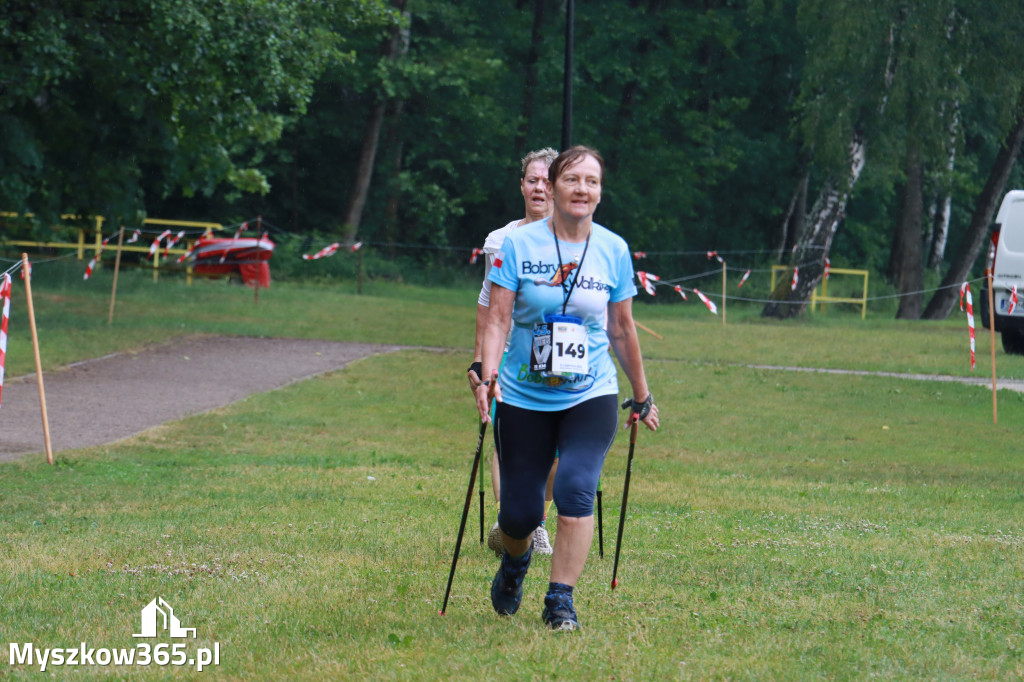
(492, 244)
(484, 298)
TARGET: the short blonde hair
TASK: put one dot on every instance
(547, 155)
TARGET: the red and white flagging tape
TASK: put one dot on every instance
(711, 306)
(172, 241)
(183, 257)
(95, 259)
(965, 289)
(5, 299)
(156, 243)
(323, 253)
(1013, 300)
(646, 280)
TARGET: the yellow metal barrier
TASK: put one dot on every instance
(824, 298)
(81, 248)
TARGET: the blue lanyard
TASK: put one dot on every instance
(567, 292)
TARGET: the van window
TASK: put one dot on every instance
(1012, 234)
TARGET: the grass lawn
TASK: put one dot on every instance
(781, 525)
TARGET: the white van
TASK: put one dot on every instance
(1006, 258)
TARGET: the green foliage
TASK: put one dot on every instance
(709, 114)
(103, 99)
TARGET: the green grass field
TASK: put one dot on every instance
(781, 525)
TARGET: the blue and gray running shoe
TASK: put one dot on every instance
(559, 613)
(507, 586)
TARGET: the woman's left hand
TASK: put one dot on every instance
(642, 410)
(652, 421)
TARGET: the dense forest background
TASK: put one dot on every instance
(879, 134)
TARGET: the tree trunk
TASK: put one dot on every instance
(829, 209)
(367, 158)
(985, 208)
(813, 247)
(793, 223)
(398, 43)
(908, 262)
(294, 181)
(624, 113)
(397, 147)
(532, 59)
(944, 201)
(940, 230)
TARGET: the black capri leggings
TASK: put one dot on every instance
(526, 441)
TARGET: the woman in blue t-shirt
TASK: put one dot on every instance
(565, 287)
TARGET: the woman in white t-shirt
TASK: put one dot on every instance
(537, 204)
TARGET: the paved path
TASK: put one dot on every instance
(113, 397)
(104, 400)
(1009, 384)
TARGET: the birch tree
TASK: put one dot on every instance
(850, 67)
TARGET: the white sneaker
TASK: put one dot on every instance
(541, 544)
(495, 541)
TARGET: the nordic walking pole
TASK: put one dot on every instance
(26, 270)
(600, 523)
(481, 466)
(469, 493)
(723, 293)
(625, 497)
(992, 334)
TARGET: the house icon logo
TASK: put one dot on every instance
(158, 615)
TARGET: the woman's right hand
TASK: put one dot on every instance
(484, 393)
(473, 374)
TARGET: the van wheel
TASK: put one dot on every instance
(1013, 343)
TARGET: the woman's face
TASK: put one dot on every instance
(577, 191)
(534, 187)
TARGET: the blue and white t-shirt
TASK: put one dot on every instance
(527, 264)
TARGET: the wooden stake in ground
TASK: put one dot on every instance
(35, 348)
(723, 293)
(649, 331)
(117, 268)
(259, 237)
(992, 334)
(359, 287)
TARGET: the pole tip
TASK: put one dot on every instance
(440, 613)
(615, 583)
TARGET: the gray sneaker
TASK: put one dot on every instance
(541, 543)
(495, 541)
